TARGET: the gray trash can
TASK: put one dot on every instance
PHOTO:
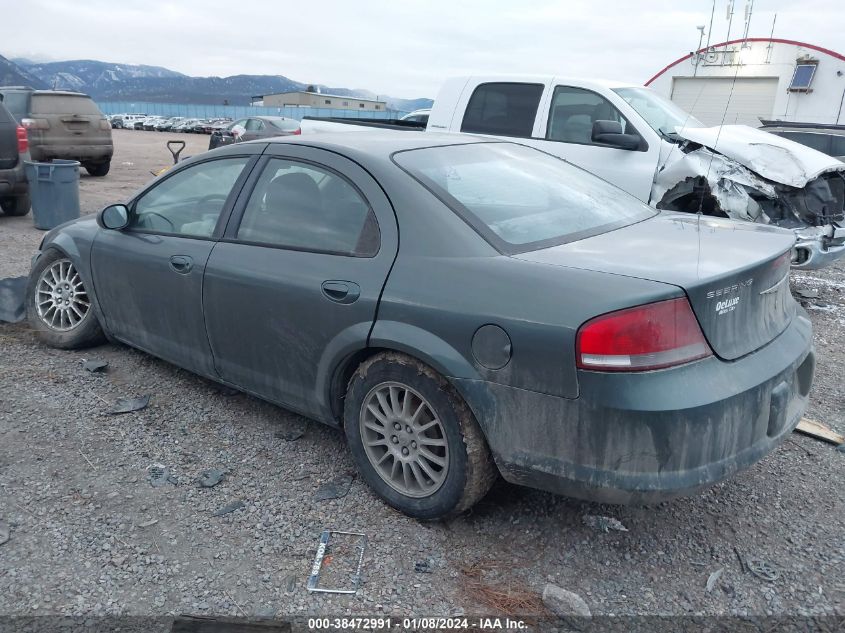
(54, 189)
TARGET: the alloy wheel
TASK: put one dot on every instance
(404, 440)
(60, 297)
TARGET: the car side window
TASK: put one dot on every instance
(305, 207)
(504, 109)
(254, 125)
(574, 111)
(837, 145)
(188, 202)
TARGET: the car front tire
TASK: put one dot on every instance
(414, 440)
(58, 305)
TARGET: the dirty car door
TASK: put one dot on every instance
(148, 277)
(294, 285)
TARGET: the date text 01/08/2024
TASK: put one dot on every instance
(415, 624)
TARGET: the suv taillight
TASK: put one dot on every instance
(650, 336)
(23, 141)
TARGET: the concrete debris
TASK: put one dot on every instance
(128, 405)
(290, 435)
(714, 578)
(807, 293)
(94, 365)
(423, 567)
(335, 489)
(5, 532)
(211, 477)
(564, 603)
(147, 524)
(229, 508)
(605, 524)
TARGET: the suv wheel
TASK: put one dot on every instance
(16, 206)
(413, 438)
(98, 169)
(58, 306)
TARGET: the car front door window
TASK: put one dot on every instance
(574, 111)
(189, 202)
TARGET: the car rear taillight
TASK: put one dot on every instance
(35, 124)
(297, 131)
(23, 141)
(650, 336)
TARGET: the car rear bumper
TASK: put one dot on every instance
(83, 153)
(13, 181)
(649, 436)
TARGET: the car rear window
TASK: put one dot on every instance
(63, 104)
(521, 199)
(286, 125)
(504, 109)
(17, 103)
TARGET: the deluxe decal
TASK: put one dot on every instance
(730, 299)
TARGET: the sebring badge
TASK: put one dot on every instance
(728, 296)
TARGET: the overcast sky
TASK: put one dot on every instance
(397, 48)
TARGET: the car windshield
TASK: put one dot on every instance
(662, 115)
(518, 198)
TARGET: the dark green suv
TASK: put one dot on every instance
(14, 190)
(61, 124)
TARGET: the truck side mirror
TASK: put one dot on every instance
(610, 133)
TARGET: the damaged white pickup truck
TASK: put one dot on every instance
(645, 144)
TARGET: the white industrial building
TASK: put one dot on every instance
(744, 81)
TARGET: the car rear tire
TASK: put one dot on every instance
(18, 205)
(414, 440)
(58, 306)
(98, 169)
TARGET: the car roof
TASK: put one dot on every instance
(378, 144)
(60, 93)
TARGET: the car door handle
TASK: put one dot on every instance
(341, 291)
(182, 264)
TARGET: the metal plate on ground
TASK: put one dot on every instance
(337, 565)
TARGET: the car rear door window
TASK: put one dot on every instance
(837, 145)
(503, 109)
(574, 111)
(254, 125)
(303, 206)
(190, 201)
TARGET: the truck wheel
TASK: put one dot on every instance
(18, 205)
(413, 438)
(98, 169)
(58, 306)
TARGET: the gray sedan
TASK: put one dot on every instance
(461, 308)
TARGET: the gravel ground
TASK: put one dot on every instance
(90, 535)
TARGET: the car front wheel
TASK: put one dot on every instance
(58, 305)
(413, 438)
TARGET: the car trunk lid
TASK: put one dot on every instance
(735, 274)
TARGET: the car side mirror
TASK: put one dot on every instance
(114, 217)
(610, 133)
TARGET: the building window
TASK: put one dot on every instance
(378, 107)
(346, 103)
(803, 77)
(328, 101)
(361, 105)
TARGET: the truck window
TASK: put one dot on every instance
(820, 142)
(573, 112)
(504, 109)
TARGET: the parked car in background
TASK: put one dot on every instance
(185, 126)
(14, 150)
(254, 128)
(461, 307)
(829, 139)
(150, 123)
(418, 116)
(66, 125)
